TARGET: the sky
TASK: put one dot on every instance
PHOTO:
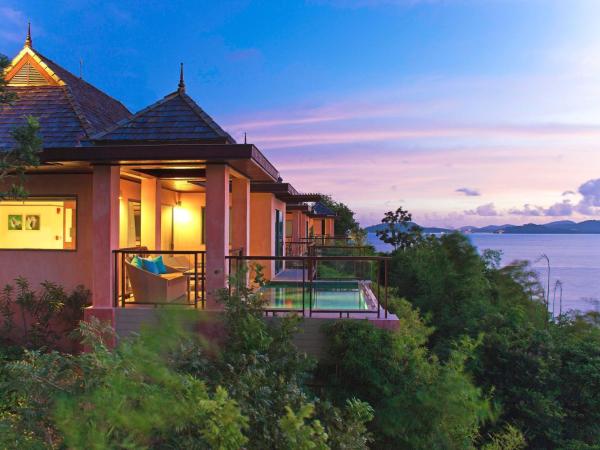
(465, 112)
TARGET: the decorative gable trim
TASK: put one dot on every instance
(28, 57)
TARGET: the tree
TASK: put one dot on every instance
(24, 154)
(542, 375)
(6, 96)
(418, 402)
(400, 232)
(345, 223)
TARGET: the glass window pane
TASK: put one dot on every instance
(45, 223)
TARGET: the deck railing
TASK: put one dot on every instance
(308, 285)
(183, 284)
(327, 240)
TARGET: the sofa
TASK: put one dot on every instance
(147, 287)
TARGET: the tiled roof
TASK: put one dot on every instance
(59, 124)
(320, 209)
(69, 109)
(174, 118)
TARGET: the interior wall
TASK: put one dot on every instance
(50, 232)
(187, 224)
(129, 191)
(132, 191)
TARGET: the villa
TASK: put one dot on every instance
(116, 190)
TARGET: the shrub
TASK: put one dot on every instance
(418, 402)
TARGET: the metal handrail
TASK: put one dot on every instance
(309, 265)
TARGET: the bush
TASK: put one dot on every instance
(418, 402)
(40, 319)
(166, 389)
(541, 373)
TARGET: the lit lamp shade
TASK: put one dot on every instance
(181, 214)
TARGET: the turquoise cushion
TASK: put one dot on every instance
(137, 262)
(151, 266)
(161, 265)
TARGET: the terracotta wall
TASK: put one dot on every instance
(330, 226)
(67, 267)
(262, 216)
(262, 226)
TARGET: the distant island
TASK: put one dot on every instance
(558, 227)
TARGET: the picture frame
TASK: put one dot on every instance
(15, 222)
(32, 222)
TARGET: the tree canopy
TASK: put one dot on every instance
(345, 223)
(24, 154)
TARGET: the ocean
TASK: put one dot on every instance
(574, 260)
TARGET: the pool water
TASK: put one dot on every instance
(325, 296)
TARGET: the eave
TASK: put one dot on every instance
(284, 192)
(245, 158)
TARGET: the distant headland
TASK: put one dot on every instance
(558, 227)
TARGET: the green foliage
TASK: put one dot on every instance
(126, 398)
(44, 315)
(133, 399)
(266, 375)
(400, 232)
(15, 161)
(509, 438)
(299, 435)
(165, 388)
(418, 401)
(25, 153)
(345, 223)
(5, 95)
(541, 374)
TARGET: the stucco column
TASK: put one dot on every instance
(151, 213)
(303, 225)
(105, 224)
(331, 227)
(240, 214)
(296, 225)
(217, 230)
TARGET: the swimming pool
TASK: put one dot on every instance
(326, 295)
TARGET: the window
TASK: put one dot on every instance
(39, 223)
(289, 229)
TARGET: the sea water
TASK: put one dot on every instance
(574, 260)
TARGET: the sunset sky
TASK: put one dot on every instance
(466, 112)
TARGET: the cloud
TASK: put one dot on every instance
(588, 205)
(560, 209)
(527, 210)
(486, 210)
(468, 192)
(590, 192)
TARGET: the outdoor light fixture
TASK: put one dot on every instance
(181, 214)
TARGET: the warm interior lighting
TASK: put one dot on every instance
(181, 214)
(38, 223)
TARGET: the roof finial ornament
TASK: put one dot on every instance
(181, 86)
(245, 140)
(28, 40)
